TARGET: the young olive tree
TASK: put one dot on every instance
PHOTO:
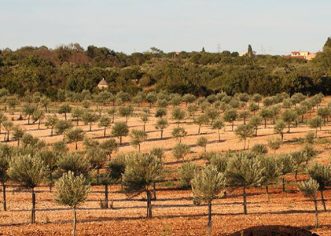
(206, 185)
(310, 188)
(244, 171)
(218, 124)
(74, 135)
(285, 164)
(201, 120)
(28, 171)
(161, 124)
(120, 130)
(179, 133)
(65, 108)
(202, 142)
(279, 128)
(105, 123)
(71, 190)
(316, 123)
(180, 150)
(271, 172)
(178, 115)
(5, 157)
(186, 173)
(230, 116)
(142, 170)
(255, 122)
(244, 132)
(322, 175)
(51, 122)
(137, 137)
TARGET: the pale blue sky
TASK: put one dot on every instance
(271, 26)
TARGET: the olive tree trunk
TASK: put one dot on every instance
(33, 209)
(74, 221)
(244, 200)
(316, 213)
(4, 202)
(323, 199)
(149, 204)
(106, 196)
(209, 214)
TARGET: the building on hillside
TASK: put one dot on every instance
(102, 84)
(303, 55)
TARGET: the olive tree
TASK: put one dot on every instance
(206, 185)
(244, 132)
(218, 124)
(230, 116)
(279, 128)
(244, 171)
(316, 123)
(178, 115)
(28, 171)
(180, 150)
(65, 108)
(322, 175)
(309, 188)
(271, 172)
(75, 135)
(202, 142)
(289, 116)
(255, 122)
(105, 123)
(201, 120)
(120, 130)
(179, 133)
(137, 137)
(5, 157)
(161, 124)
(285, 164)
(71, 190)
(89, 118)
(51, 122)
(186, 174)
(142, 170)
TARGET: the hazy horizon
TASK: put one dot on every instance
(271, 27)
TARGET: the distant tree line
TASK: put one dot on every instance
(74, 69)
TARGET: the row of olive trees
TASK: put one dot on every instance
(139, 172)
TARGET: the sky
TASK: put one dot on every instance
(270, 26)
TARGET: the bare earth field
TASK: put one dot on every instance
(173, 212)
